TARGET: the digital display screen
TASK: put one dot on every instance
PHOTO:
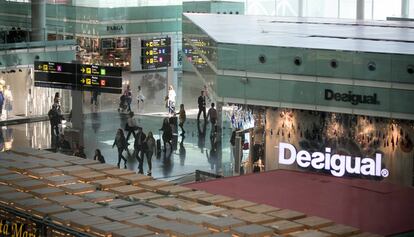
(156, 53)
(78, 76)
(194, 49)
(107, 43)
(122, 43)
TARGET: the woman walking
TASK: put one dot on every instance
(121, 144)
(182, 117)
(150, 148)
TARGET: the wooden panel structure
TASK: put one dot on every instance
(237, 204)
(287, 214)
(223, 223)
(45, 172)
(338, 230)
(262, 208)
(48, 210)
(60, 180)
(78, 188)
(285, 226)
(108, 183)
(142, 207)
(309, 233)
(101, 167)
(74, 169)
(252, 231)
(47, 192)
(154, 184)
(28, 185)
(126, 190)
(66, 199)
(175, 189)
(214, 200)
(135, 179)
(90, 176)
(314, 222)
(132, 232)
(115, 173)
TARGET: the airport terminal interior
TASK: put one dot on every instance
(187, 118)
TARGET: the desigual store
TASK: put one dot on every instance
(318, 98)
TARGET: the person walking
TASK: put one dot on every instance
(182, 117)
(139, 149)
(55, 119)
(166, 134)
(201, 106)
(212, 115)
(150, 148)
(98, 156)
(131, 126)
(121, 144)
(140, 97)
(171, 100)
(94, 97)
(128, 97)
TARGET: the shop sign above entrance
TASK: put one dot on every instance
(115, 28)
(338, 165)
(352, 98)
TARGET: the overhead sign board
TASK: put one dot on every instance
(156, 53)
(78, 76)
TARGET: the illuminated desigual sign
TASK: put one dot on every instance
(337, 164)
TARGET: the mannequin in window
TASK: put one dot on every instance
(8, 99)
(1, 101)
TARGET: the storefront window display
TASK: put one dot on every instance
(21, 98)
(353, 142)
(248, 123)
(354, 146)
(114, 52)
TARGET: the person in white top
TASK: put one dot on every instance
(171, 99)
(8, 99)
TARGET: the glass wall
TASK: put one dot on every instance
(374, 9)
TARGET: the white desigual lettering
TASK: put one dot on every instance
(337, 164)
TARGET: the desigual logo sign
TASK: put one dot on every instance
(352, 98)
(338, 165)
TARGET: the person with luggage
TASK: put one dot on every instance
(121, 144)
(182, 117)
(139, 149)
(201, 106)
(150, 148)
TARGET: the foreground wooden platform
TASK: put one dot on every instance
(102, 200)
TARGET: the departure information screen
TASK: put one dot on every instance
(156, 53)
(74, 76)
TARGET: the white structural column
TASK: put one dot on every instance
(405, 8)
(360, 9)
(300, 8)
(38, 8)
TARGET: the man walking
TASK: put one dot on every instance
(201, 106)
(139, 149)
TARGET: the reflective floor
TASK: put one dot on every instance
(189, 153)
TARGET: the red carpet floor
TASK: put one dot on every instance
(372, 206)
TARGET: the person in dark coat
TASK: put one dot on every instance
(121, 144)
(201, 106)
(139, 149)
(55, 119)
(98, 156)
(166, 133)
(150, 149)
